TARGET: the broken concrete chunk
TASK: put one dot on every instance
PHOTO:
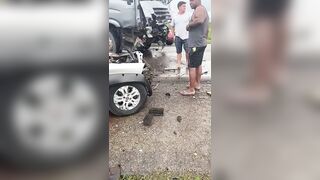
(179, 119)
(147, 121)
(156, 111)
(209, 93)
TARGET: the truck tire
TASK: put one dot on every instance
(114, 41)
(118, 95)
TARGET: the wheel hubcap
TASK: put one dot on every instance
(127, 98)
(55, 116)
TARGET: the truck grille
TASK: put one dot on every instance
(163, 15)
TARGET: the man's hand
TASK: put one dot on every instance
(188, 28)
(198, 17)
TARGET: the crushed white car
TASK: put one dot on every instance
(128, 87)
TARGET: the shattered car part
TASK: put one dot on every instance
(133, 57)
(156, 111)
(128, 57)
(147, 121)
(143, 20)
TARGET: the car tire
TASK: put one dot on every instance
(22, 153)
(120, 107)
(114, 41)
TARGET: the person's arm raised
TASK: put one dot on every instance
(199, 17)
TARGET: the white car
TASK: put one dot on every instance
(128, 88)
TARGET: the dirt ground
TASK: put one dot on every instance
(169, 144)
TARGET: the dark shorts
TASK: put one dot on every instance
(196, 56)
(179, 43)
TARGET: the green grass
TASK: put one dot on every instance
(167, 176)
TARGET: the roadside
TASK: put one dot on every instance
(164, 62)
(176, 144)
(168, 145)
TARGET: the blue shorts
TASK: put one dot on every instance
(179, 43)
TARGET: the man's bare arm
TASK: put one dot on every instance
(199, 17)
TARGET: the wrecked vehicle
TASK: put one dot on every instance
(130, 79)
(128, 88)
(138, 24)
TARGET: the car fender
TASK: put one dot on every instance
(115, 23)
(116, 79)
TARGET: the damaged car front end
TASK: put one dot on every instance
(137, 24)
(130, 79)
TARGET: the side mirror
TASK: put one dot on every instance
(129, 2)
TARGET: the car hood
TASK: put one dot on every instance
(126, 68)
(149, 7)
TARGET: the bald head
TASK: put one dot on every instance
(195, 3)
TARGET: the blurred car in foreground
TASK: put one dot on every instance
(53, 81)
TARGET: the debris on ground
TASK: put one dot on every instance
(115, 173)
(156, 111)
(209, 93)
(171, 69)
(168, 94)
(156, 86)
(147, 121)
(205, 72)
(179, 119)
(175, 133)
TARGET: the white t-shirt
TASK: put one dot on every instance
(180, 22)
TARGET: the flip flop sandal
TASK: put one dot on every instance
(197, 89)
(187, 93)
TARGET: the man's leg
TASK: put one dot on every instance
(200, 54)
(192, 83)
(179, 51)
(198, 77)
(192, 79)
(179, 57)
